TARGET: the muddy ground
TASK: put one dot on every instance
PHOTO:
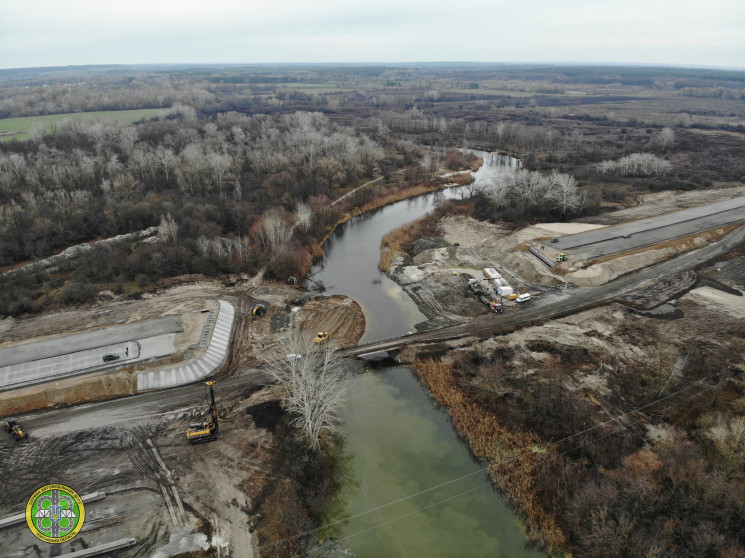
(111, 446)
(435, 273)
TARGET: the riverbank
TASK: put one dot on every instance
(385, 195)
(547, 406)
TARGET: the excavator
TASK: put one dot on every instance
(13, 427)
(258, 311)
(204, 431)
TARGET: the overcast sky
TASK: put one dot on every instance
(66, 32)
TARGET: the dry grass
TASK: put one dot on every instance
(512, 455)
(461, 179)
(390, 244)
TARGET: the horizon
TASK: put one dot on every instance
(402, 63)
(43, 33)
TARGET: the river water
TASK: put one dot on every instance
(351, 254)
(401, 445)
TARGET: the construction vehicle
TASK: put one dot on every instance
(258, 311)
(322, 336)
(13, 427)
(204, 431)
(495, 307)
(476, 287)
(561, 257)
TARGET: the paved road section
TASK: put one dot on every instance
(212, 359)
(654, 230)
(574, 301)
(62, 366)
(89, 340)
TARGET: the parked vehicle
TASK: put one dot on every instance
(523, 297)
(110, 357)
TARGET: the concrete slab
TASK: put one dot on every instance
(89, 340)
(653, 230)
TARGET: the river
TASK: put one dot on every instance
(401, 445)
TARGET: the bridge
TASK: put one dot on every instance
(536, 311)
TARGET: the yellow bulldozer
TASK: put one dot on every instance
(13, 427)
(322, 337)
(207, 430)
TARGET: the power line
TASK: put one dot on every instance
(502, 462)
(502, 477)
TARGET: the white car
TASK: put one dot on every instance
(525, 297)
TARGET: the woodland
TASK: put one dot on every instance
(239, 171)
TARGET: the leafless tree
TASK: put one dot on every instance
(219, 163)
(304, 216)
(566, 191)
(166, 160)
(314, 382)
(36, 132)
(204, 244)
(168, 228)
(667, 137)
(276, 231)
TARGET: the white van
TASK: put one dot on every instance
(525, 297)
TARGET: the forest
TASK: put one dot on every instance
(238, 169)
(252, 167)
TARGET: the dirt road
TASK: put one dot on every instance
(160, 489)
(573, 301)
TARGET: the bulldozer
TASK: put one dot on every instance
(207, 430)
(322, 337)
(13, 427)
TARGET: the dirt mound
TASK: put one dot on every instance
(341, 316)
(67, 392)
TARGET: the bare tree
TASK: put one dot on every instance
(204, 244)
(566, 193)
(667, 137)
(275, 230)
(36, 132)
(166, 160)
(304, 216)
(219, 164)
(314, 382)
(168, 228)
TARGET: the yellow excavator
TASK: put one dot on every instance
(258, 311)
(204, 431)
(13, 427)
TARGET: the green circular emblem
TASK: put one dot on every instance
(55, 513)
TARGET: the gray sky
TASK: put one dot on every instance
(65, 32)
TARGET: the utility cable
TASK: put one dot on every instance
(500, 478)
(502, 462)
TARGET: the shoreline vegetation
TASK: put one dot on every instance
(514, 457)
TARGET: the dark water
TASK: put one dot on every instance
(350, 262)
(400, 442)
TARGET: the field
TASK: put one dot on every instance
(17, 128)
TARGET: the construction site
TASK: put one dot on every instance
(157, 411)
(175, 440)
